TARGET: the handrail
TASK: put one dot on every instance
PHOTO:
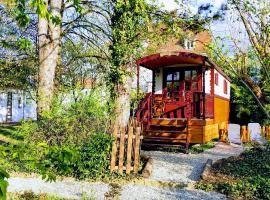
(144, 107)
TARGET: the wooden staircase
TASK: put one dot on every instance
(166, 132)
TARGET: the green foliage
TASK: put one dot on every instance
(135, 100)
(71, 140)
(247, 181)
(3, 183)
(202, 147)
(87, 160)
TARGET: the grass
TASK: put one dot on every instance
(31, 196)
(244, 177)
(202, 147)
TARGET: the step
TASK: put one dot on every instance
(166, 140)
(168, 121)
(165, 135)
(166, 131)
(169, 125)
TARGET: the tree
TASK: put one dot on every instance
(56, 26)
(248, 58)
(49, 43)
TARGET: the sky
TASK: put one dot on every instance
(171, 4)
(228, 27)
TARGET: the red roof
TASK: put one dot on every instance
(160, 60)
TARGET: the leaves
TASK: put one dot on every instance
(3, 183)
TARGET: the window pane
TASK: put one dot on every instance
(187, 75)
(176, 85)
(194, 74)
(169, 77)
(176, 76)
(187, 86)
(194, 86)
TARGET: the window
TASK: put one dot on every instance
(189, 44)
(225, 87)
(191, 82)
(216, 78)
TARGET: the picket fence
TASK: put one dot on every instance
(245, 133)
(125, 154)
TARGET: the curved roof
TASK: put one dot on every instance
(161, 60)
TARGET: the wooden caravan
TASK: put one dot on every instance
(189, 102)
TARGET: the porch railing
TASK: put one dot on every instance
(191, 106)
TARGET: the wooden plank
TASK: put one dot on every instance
(204, 135)
(129, 149)
(165, 134)
(114, 149)
(165, 121)
(244, 134)
(137, 150)
(121, 149)
(263, 131)
(124, 168)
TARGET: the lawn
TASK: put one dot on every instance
(8, 135)
(244, 177)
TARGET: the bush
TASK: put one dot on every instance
(246, 176)
(71, 140)
(3, 183)
(88, 160)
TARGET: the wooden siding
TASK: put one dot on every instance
(203, 131)
(222, 109)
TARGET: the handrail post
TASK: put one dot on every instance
(203, 72)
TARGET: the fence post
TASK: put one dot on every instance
(263, 132)
(121, 149)
(137, 150)
(244, 134)
(114, 149)
(129, 148)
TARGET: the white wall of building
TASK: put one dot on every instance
(17, 107)
(219, 89)
(23, 107)
(158, 81)
(208, 81)
(3, 107)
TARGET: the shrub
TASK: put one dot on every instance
(71, 140)
(88, 160)
(246, 176)
(3, 183)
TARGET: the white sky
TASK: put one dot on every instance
(228, 27)
(171, 4)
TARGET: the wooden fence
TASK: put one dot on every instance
(266, 132)
(245, 133)
(125, 154)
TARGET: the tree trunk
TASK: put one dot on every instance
(122, 107)
(49, 46)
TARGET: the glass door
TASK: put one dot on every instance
(172, 84)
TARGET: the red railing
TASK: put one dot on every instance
(144, 108)
(192, 105)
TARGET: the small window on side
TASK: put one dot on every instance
(216, 78)
(225, 87)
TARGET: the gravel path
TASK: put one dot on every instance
(64, 189)
(185, 168)
(168, 167)
(134, 192)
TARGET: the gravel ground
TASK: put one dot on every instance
(134, 192)
(167, 167)
(185, 168)
(64, 189)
